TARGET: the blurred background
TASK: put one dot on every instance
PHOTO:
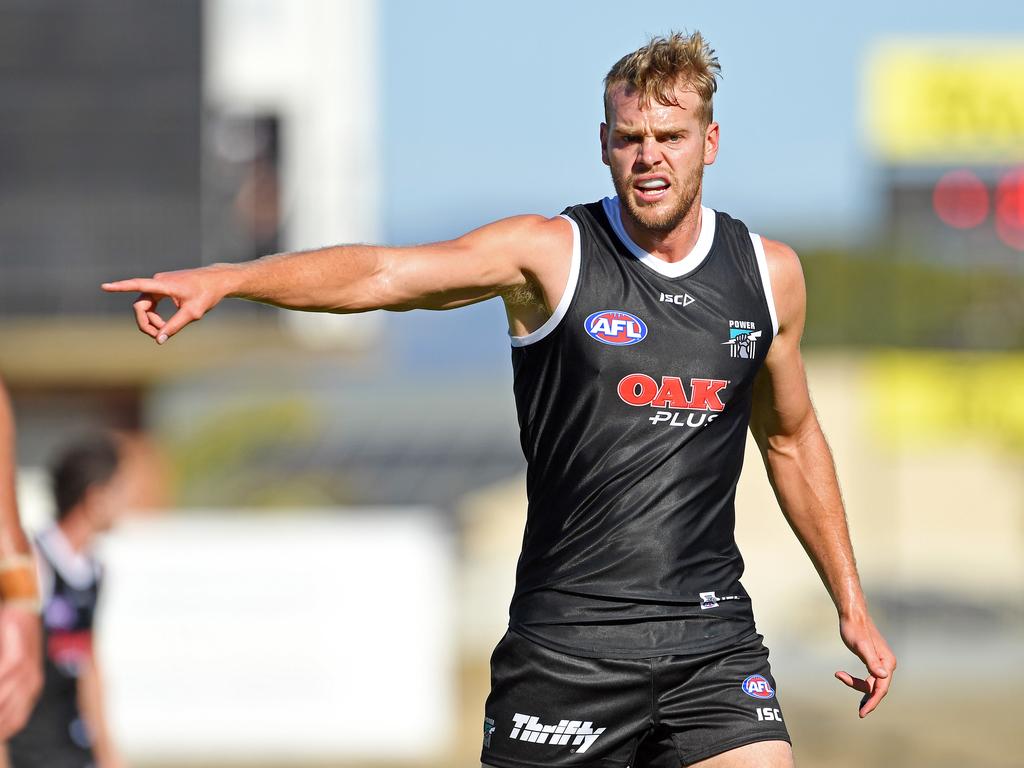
(330, 508)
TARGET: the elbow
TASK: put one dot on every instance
(804, 434)
(374, 289)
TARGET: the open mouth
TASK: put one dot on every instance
(652, 189)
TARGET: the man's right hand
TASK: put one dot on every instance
(194, 292)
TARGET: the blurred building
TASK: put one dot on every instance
(945, 118)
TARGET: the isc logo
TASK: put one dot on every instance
(615, 327)
(758, 687)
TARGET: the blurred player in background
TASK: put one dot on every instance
(648, 333)
(20, 646)
(68, 728)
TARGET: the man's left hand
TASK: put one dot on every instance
(21, 672)
(863, 638)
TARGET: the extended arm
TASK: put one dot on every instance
(523, 254)
(802, 473)
(21, 674)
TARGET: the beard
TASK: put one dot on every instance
(664, 215)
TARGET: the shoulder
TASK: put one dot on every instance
(787, 278)
(529, 229)
(530, 244)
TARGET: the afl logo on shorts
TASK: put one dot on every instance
(758, 687)
(615, 327)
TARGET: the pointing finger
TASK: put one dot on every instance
(140, 284)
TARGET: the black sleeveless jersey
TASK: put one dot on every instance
(633, 402)
(56, 735)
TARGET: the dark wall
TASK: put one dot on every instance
(99, 148)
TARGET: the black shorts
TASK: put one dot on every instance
(550, 709)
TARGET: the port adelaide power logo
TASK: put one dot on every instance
(743, 336)
(615, 327)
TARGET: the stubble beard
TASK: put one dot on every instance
(661, 218)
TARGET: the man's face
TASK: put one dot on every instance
(657, 156)
(107, 502)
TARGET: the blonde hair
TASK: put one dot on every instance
(655, 70)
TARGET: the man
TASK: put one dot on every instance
(21, 674)
(647, 331)
(67, 728)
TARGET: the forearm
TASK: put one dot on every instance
(360, 278)
(802, 472)
(333, 279)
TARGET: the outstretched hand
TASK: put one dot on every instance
(863, 638)
(193, 291)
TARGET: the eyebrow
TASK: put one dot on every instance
(629, 130)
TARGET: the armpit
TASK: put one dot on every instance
(526, 295)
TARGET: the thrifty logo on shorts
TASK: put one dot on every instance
(582, 733)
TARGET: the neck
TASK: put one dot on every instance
(672, 246)
(78, 530)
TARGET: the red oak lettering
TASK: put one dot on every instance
(640, 389)
(637, 389)
(671, 394)
(705, 394)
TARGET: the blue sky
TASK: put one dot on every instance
(492, 109)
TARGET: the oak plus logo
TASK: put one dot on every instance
(672, 396)
(581, 733)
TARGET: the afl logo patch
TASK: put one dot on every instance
(615, 327)
(758, 687)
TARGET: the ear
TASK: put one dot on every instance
(711, 136)
(604, 143)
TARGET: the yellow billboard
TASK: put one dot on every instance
(946, 102)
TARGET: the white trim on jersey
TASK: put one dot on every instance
(77, 569)
(563, 305)
(690, 262)
(766, 280)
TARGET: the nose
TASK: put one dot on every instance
(648, 153)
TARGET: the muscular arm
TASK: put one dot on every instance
(802, 473)
(528, 254)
